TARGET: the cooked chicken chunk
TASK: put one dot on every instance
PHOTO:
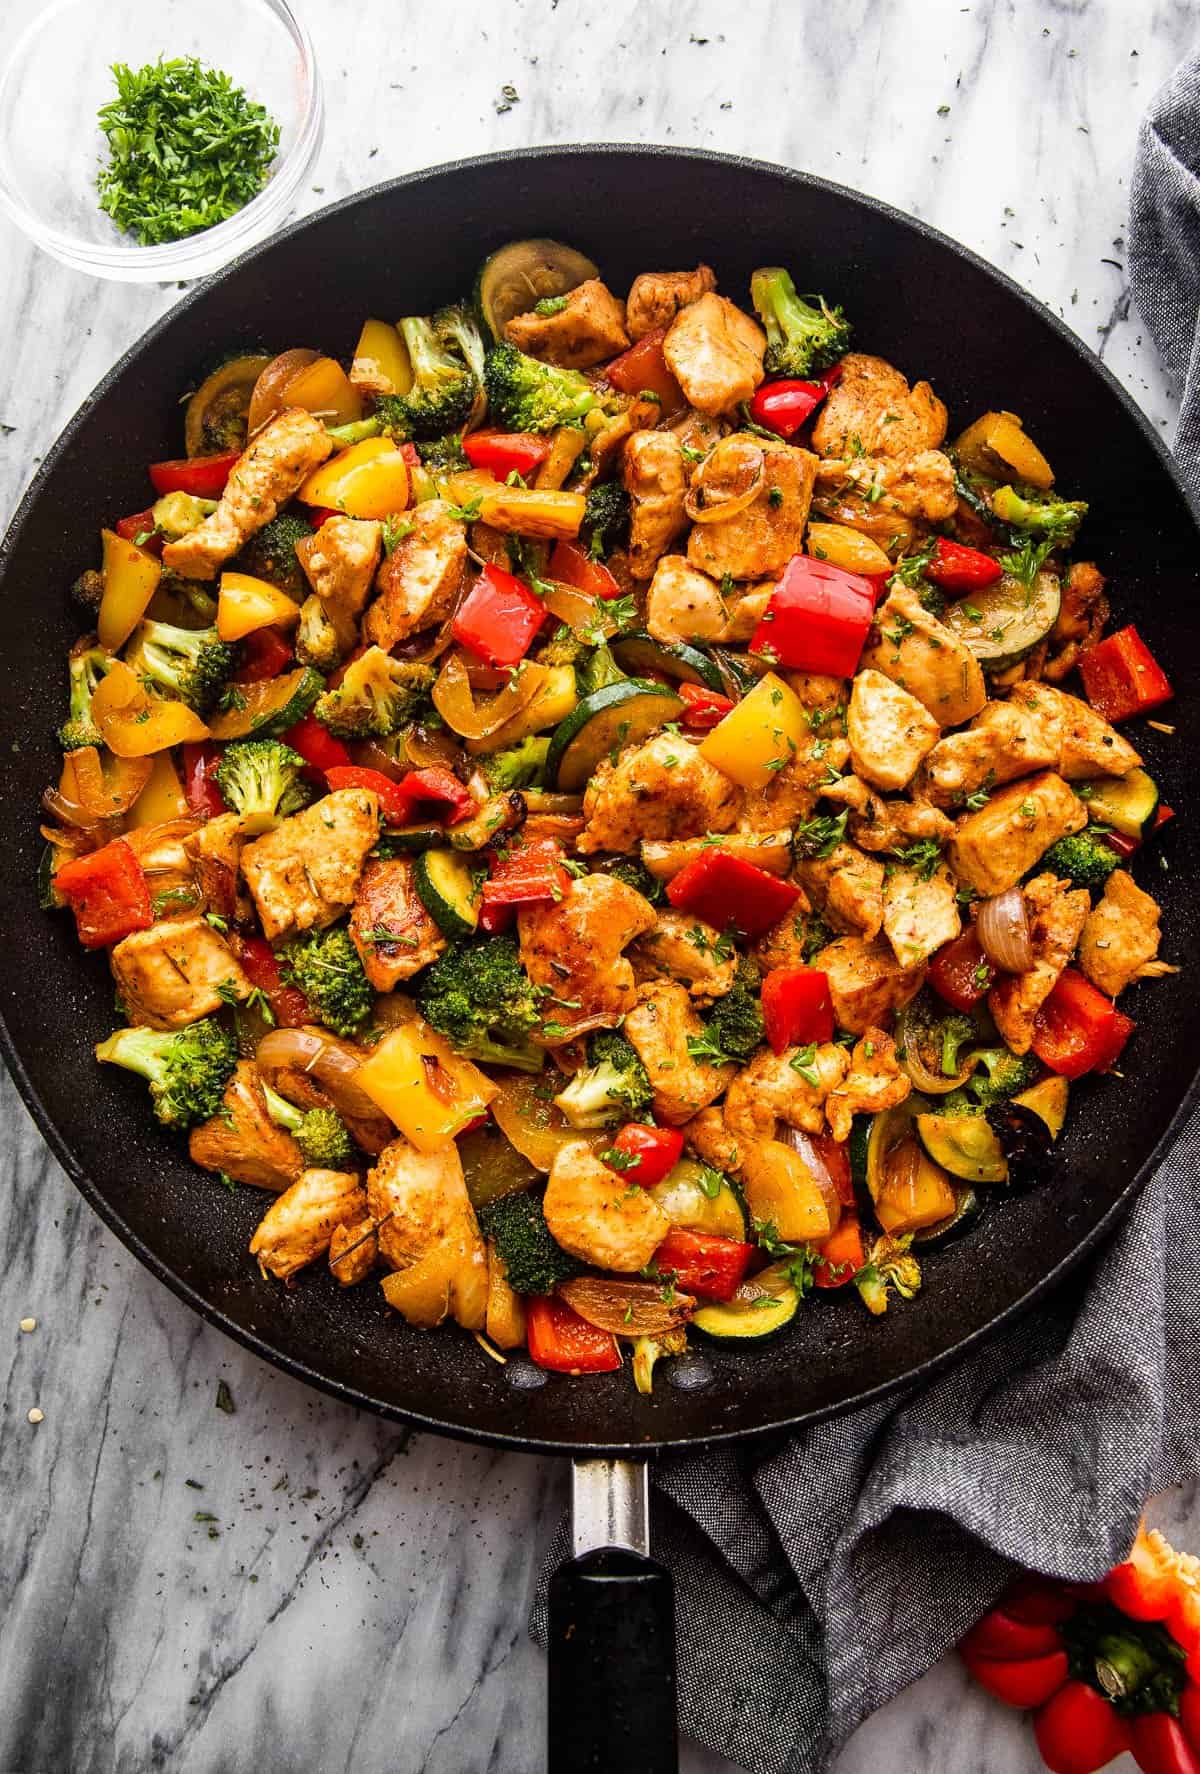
(770, 851)
(269, 470)
(879, 825)
(353, 1251)
(662, 788)
(887, 500)
(299, 1224)
(685, 948)
(872, 409)
(790, 1086)
(660, 1026)
(823, 697)
(393, 933)
(656, 297)
(1003, 742)
(686, 605)
(588, 329)
(888, 729)
(760, 540)
(873, 1082)
(919, 915)
(787, 944)
(994, 847)
(1120, 938)
(708, 1137)
(169, 975)
(926, 658)
(715, 353)
(242, 1141)
(789, 798)
(847, 889)
(575, 948)
(655, 479)
(598, 1216)
(1081, 619)
(1056, 917)
(428, 1233)
(339, 561)
(421, 577)
(214, 850)
(1085, 744)
(866, 982)
(306, 871)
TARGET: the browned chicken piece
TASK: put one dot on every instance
(588, 329)
(1003, 742)
(305, 873)
(1085, 744)
(790, 1086)
(654, 477)
(242, 1141)
(846, 887)
(420, 579)
(760, 540)
(656, 297)
(1082, 616)
(866, 982)
(429, 1235)
(823, 697)
(890, 501)
(878, 825)
(872, 410)
(1056, 917)
(1120, 939)
(353, 1251)
(715, 353)
(994, 847)
(371, 1133)
(662, 788)
(790, 796)
(269, 470)
(926, 658)
(873, 1082)
(393, 933)
(888, 729)
(575, 949)
(660, 1026)
(339, 562)
(299, 1224)
(708, 1137)
(697, 432)
(505, 1319)
(685, 948)
(769, 851)
(919, 915)
(684, 604)
(214, 850)
(597, 1215)
(162, 853)
(168, 976)
(786, 944)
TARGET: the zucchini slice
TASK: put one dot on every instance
(1128, 803)
(688, 1204)
(605, 722)
(1048, 1101)
(445, 884)
(1003, 621)
(269, 708)
(965, 1145)
(640, 652)
(407, 840)
(516, 277)
(757, 1310)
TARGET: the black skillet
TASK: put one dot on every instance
(935, 310)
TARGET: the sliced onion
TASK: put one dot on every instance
(804, 1149)
(91, 793)
(455, 701)
(1002, 924)
(729, 478)
(330, 1062)
(533, 1125)
(270, 391)
(624, 1307)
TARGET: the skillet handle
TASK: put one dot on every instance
(612, 1634)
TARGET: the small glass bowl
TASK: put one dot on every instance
(51, 145)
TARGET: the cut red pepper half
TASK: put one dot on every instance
(703, 709)
(1078, 1029)
(701, 1263)
(505, 452)
(1121, 676)
(725, 890)
(783, 406)
(265, 654)
(569, 565)
(316, 745)
(797, 1007)
(260, 964)
(108, 894)
(644, 1154)
(961, 973)
(140, 528)
(499, 618)
(957, 568)
(643, 369)
(564, 1343)
(202, 476)
(526, 874)
(817, 619)
(434, 793)
(204, 798)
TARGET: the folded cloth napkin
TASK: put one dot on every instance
(817, 1577)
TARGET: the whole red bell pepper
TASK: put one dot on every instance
(703, 709)
(316, 745)
(204, 798)
(1077, 1730)
(817, 619)
(644, 1154)
(797, 1007)
(783, 406)
(841, 1254)
(1121, 676)
(141, 528)
(723, 889)
(569, 565)
(265, 653)
(505, 452)
(108, 893)
(564, 1343)
(1078, 1029)
(643, 368)
(499, 618)
(525, 874)
(957, 568)
(202, 476)
(434, 793)
(961, 973)
(702, 1263)
(260, 964)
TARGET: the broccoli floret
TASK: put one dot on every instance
(613, 1086)
(320, 1133)
(931, 598)
(605, 526)
(635, 874)
(596, 669)
(521, 766)
(88, 591)
(443, 388)
(261, 780)
(479, 996)
(735, 1027)
(325, 966)
(317, 640)
(194, 664)
(86, 665)
(376, 696)
(890, 1264)
(525, 395)
(801, 338)
(954, 1032)
(177, 513)
(563, 648)
(1000, 1074)
(444, 455)
(271, 554)
(534, 1260)
(1039, 514)
(456, 327)
(1085, 859)
(648, 1350)
(187, 1069)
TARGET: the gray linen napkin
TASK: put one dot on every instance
(818, 1577)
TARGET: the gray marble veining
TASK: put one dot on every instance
(293, 1586)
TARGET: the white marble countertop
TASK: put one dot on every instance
(359, 1597)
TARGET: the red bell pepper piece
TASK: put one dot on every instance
(499, 618)
(260, 964)
(961, 973)
(704, 1264)
(141, 525)
(1029, 1682)
(1189, 1713)
(1121, 676)
(1078, 1029)
(797, 1007)
(316, 745)
(571, 566)
(505, 452)
(841, 1254)
(265, 654)
(956, 568)
(411, 454)
(204, 798)
(564, 1343)
(320, 513)
(703, 709)
(527, 874)
(1078, 1731)
(817, 619)
(1160, 1745)
(1000, 1635)
(644, 1154)
(202, 476)
(108, 894)
(783, 406)
(724, 889)
(644, 368)
(439, 790)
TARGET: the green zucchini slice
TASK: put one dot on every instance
(692, 1201)
(266, 709)
(1001, 623)
(445, 884)
(407, 840)
(757, 1310)
(603, 723)
(640, 652)
(965, 1145)
(1128, 803)
(516, 277)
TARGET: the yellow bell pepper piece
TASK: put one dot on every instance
(846, 548)
(246, 603)
(779, 1187)
(136, 723)
(532, 511)
(551, 703)
(370, 479)
(420, 1083)
(381, 364)
(131, 578)
(325, 389)
(997, 443)
(163, 798)
(765, 730)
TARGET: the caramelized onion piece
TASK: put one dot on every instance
(729, 478)
(455, 701)
(627, 1308)
(532, 1124)
(270, 390)
(330, 1062)
(1002, 924)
